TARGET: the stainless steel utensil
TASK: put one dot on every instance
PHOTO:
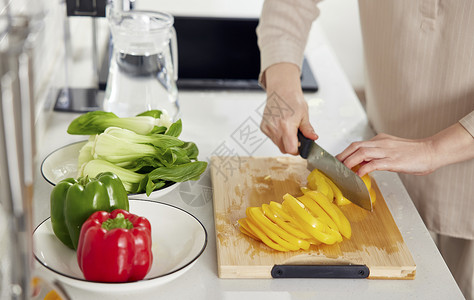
(350, 184)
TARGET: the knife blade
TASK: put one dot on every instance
(350, 184)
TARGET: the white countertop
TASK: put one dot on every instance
(214, 121)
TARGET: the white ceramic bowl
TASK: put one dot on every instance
(178, 239)
(62, 164)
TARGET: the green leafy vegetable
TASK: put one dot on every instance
(131, 180)
(96, 122)
(176, 173)
(152, 113)
(143, 161)
(158, 140)
(174, 129)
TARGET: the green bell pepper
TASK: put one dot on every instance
(74, 200)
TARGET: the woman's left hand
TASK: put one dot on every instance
(389, 153)
(418, 156)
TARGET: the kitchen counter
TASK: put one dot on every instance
(224, 123)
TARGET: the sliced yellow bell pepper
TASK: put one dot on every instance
(248, 233)
(321, 236)
(373, 197)
(291, 204)
(299, 222)
(305, 189)
(52, 295)
(263, 237)
(278, 208)
(280, 211)
(317, 211)
(368, 182)
(245, 229)
(344, 225)
(317, 182)
(343, 201)
(271, 235)
(313, 226)
(324, 202)
(337, 192)
(300, 243)
(269, 228)
(272, 215)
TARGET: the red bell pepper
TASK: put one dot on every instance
(115, 247)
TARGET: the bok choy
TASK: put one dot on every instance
(95, 122)
(146, 155)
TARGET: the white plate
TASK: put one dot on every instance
(178, 239)
(62, 164)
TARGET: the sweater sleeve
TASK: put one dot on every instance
(283, 31)
(468, 123)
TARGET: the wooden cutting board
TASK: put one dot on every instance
(239, 182)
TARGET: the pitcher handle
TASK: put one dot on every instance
(174, 52)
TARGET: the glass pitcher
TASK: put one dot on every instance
(143, 67)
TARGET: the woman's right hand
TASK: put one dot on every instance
(286, 110)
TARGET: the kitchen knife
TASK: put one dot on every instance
(350, 184)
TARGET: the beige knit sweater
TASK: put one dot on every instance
(419, 59)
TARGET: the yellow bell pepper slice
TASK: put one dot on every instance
(372, 195)
(251, 217)
(293, 205)
(337, 192)
(245, 229)
(52, 295)
(258, 214)
(317, 182)
(264, 238)
(344, 225)
(269, 228)
(343, 201)
(308, 222)
(324, 202)
(320, 236)
(368, 182)
(276, 218)
(366, 178)
(248, 233)
(278, 208)
(317, 211)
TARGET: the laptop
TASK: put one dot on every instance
(222, 53)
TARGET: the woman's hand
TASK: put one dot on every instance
(418, 157)
(286, 110)
(389, 153)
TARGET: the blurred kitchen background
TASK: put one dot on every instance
(51, 74)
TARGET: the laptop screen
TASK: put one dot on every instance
(221, 53)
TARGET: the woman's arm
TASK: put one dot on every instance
(282, 34)
(286, 109)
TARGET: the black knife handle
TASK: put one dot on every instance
(320, 271)
(305, 145)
